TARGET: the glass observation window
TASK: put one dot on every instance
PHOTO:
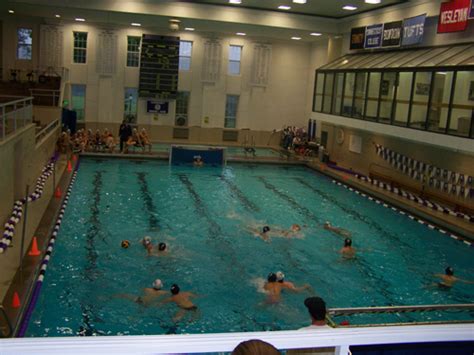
(402, 101)
(328, 87)
(373, 92)
(348, 94)
(338, 87)
(387, 94)
(440, 97)
(461, 118)
(318, 96)
(359, 95)
(421, 95)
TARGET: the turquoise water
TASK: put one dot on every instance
(204, 215)
(230, 151)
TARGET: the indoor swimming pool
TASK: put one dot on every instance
(230, 151)
(207, 216)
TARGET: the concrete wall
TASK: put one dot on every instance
(46, 114)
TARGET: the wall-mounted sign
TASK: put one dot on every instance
(392, 34)
(413, 29)
(157, 107)
(373, 36)
(453, 16)
(357, 38)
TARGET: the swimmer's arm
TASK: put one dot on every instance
(464, 281)
(167, 300)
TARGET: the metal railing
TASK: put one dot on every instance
(15, 114)
(45, 97)
(50, 127)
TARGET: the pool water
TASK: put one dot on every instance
(204, 215)
(230, 151)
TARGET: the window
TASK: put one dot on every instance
(185, 51)
(387, 93)
(318, 97)
(133, 51)
(182, 102)
(231, 110)
(348, 95)
(80, 47)
(402, 102)
(359, 95)
(78, 100)
(438, 111)
(421, 95)
(338, 86)
(25, 43)
(235, 53)
(373, 92)
(130, 105)
(328, 87)
(463, 104)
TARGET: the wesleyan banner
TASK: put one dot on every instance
(453, 16)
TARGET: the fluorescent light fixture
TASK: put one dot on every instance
(345, 61)
(11, 11)
(284, 7)
(441, 73)
(79, 19)
(296, 38)
(235, 1)
(57, 16)
(299, 1)
(189, 28)
(136, 24)
(349, 8)
(373, 1)
(316, 34)
(241, 34)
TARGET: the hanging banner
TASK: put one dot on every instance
(392, 34)
(357, 38)
(471, 11)
(413, 29)
(453, 16)
(373, 36)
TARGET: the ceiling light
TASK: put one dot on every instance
(284, 7)
(80, 19)
(316, 34)
(235, 1)
(299, 1)
(57, 16)
(241, 34)
(136, 24)
(349, 8)
(296, 38)
(373, 1)
(11, 11)
(189, 28)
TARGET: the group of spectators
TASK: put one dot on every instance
(87, 141)
(297, 140)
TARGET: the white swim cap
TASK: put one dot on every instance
(157, 284)
(280, 276)
(146, 240)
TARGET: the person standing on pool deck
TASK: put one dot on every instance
(182, 300)
(125, 131)
(448, 279)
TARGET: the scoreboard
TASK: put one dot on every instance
(159, 63)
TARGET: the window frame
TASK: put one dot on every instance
(235, 61)
(83, 118)
(22, 44)
(125, 99)
(228, 117)
(185, 56)
(130, 52)
(82, 49)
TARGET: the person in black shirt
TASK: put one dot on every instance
(125, 131)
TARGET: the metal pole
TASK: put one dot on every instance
(25, 213)
(3, 122)
(14, 116)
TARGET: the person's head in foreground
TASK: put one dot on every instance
(317, 309)
(255, 347)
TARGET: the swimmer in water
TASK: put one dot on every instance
(150, 294)
(161, 250)
(273, 286)
(263, 233)
(182, 300)
(294, 231)
(290, 285)
(448, 279)
(147, 244)
(337, 230)
(197, 161)
(347, 250)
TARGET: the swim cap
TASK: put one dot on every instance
(271, 277)
(266, 229)
(146, 240)
(327, 223)
(449, 271)
(295, 227)
(157, 284)
(174, 289)
(347, 242)
(125, 244)
(280, 276)
(161, 246)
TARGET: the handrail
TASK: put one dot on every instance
(9, 103)
(46, 130)
(397, 309)
(10, 327)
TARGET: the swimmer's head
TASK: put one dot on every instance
(272, 277)
(266, 229)
(327, 224)
(295, 227)
(146, 240)
(174, 289)
(157, 284)
(162, 246)
(449, 271)
(197, 158)
(125, 244)
(348, 242)
(280, 276)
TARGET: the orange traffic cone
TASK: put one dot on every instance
(34, 248)
(57, 193)
(69, 166)
(16, 300)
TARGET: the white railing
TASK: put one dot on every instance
(44, 132)
(340, 338)
(52, 96)
(15, 114)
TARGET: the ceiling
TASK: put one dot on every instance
(321, 8)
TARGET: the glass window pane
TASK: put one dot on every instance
(130, 104)
(421, 95)
(348, 94)
(185, 48)
(438, 113)
(234, 67)
(184, 63)
(235, 52)
(24, 44)
(373, 96)
(328, 93)
(387, 92)
(232, 103)
(337, 96)
(403, 98)
(359, 95)
(463, 104)
(78, 100)
(25, 36)
(318, 98)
